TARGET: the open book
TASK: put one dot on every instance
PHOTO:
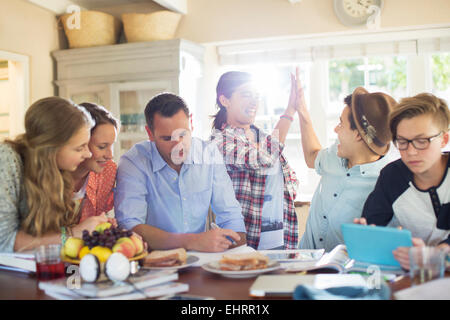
(338, 261)
(108, 289)
(160, 290)
(16, 261)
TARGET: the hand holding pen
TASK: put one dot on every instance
(215, 226)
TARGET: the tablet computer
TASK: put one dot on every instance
(373, 244)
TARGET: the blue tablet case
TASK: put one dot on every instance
(374, 244)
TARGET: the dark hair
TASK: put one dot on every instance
(166, 104)
(348, 102)
(227, 84)
(100, 115)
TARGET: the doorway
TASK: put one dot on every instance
(14, 93)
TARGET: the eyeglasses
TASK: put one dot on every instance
(419, 143)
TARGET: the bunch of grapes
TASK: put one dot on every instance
(106, 239)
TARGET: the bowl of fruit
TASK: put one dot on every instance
(102, 242)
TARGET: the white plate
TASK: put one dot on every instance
(214, 267)
(189, 262)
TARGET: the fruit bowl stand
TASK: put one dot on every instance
(77, 261)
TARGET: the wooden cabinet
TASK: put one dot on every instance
(124, 77)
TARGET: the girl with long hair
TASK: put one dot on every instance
(36, 185)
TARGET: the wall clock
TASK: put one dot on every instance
(355, 13)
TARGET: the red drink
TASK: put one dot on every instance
(50, 270)
(49, 265)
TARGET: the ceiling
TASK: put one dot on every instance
(60, 6)
(89, 4)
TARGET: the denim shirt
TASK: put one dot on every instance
(339, 197)
(150, 192)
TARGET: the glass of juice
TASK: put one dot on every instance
(426, 263)
(49, 265)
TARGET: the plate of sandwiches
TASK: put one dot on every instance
(169, 259)
(242, 265)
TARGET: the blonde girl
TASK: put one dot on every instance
(36, 188)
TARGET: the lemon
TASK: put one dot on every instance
(102, 253)
(84, 251)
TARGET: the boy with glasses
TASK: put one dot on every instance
(414, 191)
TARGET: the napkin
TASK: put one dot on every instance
(309, 292)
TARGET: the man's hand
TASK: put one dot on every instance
(213, 240)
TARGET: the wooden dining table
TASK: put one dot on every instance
(16, 285)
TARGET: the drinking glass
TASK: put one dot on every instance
(49, 265)
(426, 263)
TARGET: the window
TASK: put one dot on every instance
(386, 74)
(274, 84)
(440, 70)
(394, 62)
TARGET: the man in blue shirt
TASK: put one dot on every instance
(349, 169)
(165, 186)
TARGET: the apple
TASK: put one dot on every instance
(127, 240)
(102, 227)
(126, 248)
(138, 244)
(73, 246)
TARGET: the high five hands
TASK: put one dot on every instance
(297, 96)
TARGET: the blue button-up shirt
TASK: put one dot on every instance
(150, 192)
(339, 197)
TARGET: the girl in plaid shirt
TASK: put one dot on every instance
(264, 183)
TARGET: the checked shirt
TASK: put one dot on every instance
(247, 164)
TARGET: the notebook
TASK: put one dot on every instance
(23, 262)
(373, 244)
(284, 285)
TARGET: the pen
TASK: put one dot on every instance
(398, 278)
(215, 226)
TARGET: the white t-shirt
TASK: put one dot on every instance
(272, 233)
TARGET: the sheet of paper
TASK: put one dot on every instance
(206, 257)
(296, 255)
(438, 289)
(324, 281)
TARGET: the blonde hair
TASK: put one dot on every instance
(49, 124)
(423, 103)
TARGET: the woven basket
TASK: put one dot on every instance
(159, 25)
(96, 29)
